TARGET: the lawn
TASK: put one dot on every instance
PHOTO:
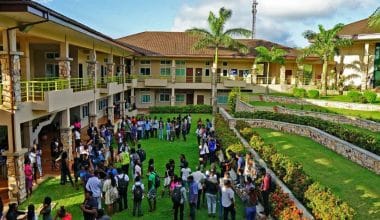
(356, 113)
(356, 185)
(161, 151)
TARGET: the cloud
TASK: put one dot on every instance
(277, 20)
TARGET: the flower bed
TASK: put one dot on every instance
(319, 199)
(354, 136)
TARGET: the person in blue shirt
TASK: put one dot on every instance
(147, 128)
(193, 196)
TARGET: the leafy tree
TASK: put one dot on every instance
(217, 38)
(274, 55)
(374, 20)
(325, 44)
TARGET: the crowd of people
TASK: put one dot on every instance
(107, 159)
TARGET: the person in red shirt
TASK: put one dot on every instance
(63, 215)
(265, 187)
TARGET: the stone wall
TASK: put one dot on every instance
(242, 106)
(362, 123)
(358, 155)
(227, 117)
(318, 102)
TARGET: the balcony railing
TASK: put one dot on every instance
(34, 90)
(270, 80)
(103, 81)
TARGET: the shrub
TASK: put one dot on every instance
(313, 94)
(232, 96)
(223, 133)
(236, 148)
(181, 109)
(354, 96)
(299, 92)
(370, 96)
(325, 205)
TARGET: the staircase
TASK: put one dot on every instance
(37, 130)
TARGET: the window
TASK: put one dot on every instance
(165, 71)
(180, 68)
(51, 55)
(207, 72)
(222, 99)
(85, 111)
(180, 72)
(179, 62)
(207, 63)
(103, 103)
(4, 137)
(145, 62)
(165, 68)
(225, 72)
(51, 70)
(164, 97)
(233, 72)
(145, 71)
(165, 62)
(243, 73)
(180, 98)
(145, 99)
(225, 64)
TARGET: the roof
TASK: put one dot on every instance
(180, 44)
(358, 28)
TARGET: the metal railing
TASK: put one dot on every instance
(103, 81)
(263, 80)
(80, 84)
(34, 90)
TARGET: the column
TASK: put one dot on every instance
(28, 137)
(313, 80)
(66, 133)
(294, 79)
(92, 75)
(64, 61)
(10, 70)
(133, 100)
(110, 66)
(122, 95)
(122, 104)
(110, 109)
(16, 176)
(133, 67)
(364, 77)
(282, 75)
(172, 98)
(25, 62)
(173, 71)
(301, 76)
(254, 74)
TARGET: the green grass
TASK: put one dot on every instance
(161, 151)
(356, 113)
(356, 185)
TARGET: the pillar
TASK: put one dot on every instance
(301, 76)
(133, 100)
(122, 104)
(16, 176)
(28, 137)
(254, 74)
(66, 133)
(282, 75)
(364, 77)
(25, 62)
(313, 79)
(110, 66)
(64, 61)
(133, 67)
(110, 109)
(173, 71)
(92, 74)
(172, 98)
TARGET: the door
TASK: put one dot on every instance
(288, 76)
(198, 75)
(189, 75)
(189, 99)
(80, 70)
(200, 100)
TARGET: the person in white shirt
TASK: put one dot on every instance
(198, 178)
(33, 162)
(94, 185)
(185, 171)
(137, 169)
(228, 200)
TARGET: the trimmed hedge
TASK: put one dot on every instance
(299, 92)
(313, 94)
(351, 135)
(320, 200)
(370, 96)
(355, 96)
(207, 109)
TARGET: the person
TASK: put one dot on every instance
(54, 152)
(265, 188)
(137, 168)
(250, 201)
(102, 215)
(184, 129)
(179, 199)
(62, 214)
(142, 155)
(89, 206)
(38, 159)
(28, 178)
(185, 172)
(125, 160)
(198, 177)
(31, 215)
(228, 200)
(46, 209)
(193, 196)
(138, 192)
(65, 169)
(111, 193)
(13, 213)
(152, 191)
(160, 129)
(211, 190)
(188, 123)
(122, 186)
(33, 162)
(168, 129)
(94, 186)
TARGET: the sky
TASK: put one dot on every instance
(281, 21)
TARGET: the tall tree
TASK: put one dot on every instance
(216, 37)
(274, 55)
(374, 20)
(325, 44)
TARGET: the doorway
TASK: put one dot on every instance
(189, 99)
(288, 77)
(198, 75)
(189, 75)
(200, 100)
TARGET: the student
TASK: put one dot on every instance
(228, 200)
(31, 215)
(46, 209)
(122, 185)
(111, 193)
(28, 177)
(179, 198)
(250, 201)
(193, 196)
(89, 207)
(138, 192)
(62, 214)
(152, 191)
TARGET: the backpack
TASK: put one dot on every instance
(157, 181)
(122, 184)
(142, 154)
(176, 195)
(138, 192)
(272, 184)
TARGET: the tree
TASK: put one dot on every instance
(217, 38)
(274, 55)
(374, 20)
(325, 44)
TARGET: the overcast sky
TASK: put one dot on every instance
(281, 21)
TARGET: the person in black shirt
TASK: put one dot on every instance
(89, 207)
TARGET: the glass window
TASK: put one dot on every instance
(145, 62)
(145, 71)
(179, 62)
(222, 99)
(207, 72)
(145, 99)
(180, 98)
(225, 72)
(85, 111)
(207, 63)
(225, 64)
(51, 70)
(3, 137)
(165, 62)
(51, 55)
(103, 103)
(233, 72)
(180, 71)
(165, 71)
(164, 97)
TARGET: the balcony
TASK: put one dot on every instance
(111, 85)
(263, 80)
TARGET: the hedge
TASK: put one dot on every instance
(181, 109)
(355, 96)
(370, 96)
(299, 92)
(313, 94)
(357, 137)
(323, 204)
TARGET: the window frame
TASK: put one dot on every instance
(180, 95)
(145, 102)
(160, 95)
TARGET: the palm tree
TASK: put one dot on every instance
(325, 44)
(274, 55)
(217, 38)
(374, 20)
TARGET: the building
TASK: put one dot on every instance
(55, 71)
(363, 57)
